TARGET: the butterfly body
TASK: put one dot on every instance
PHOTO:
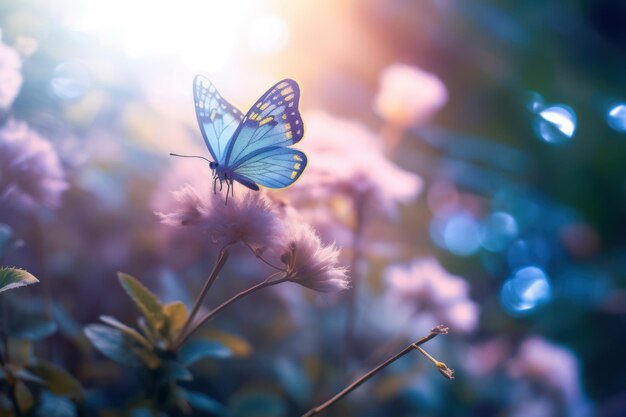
(253, 149)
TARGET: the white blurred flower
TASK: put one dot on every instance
(310, 263)
(249, 216)
(10, 75)
(27, 46)
(409, 95)
(346, 159)
(30, 170)
(435, 293)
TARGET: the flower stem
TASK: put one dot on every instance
(266, 283)
(357, 255)
(433, 333)
(219, 264)
(262, 259)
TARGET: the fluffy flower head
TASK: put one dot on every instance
(309, 262)
(409, 95)
(347, 159)
(30, 170)
(248, 218)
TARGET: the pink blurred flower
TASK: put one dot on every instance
(346, 159)
(433, 292)
(249, 216)
(484, 358)
(409, 95)
(556, 370)
(30, 171)
(552, 365)
(10, 75)
(308, 261)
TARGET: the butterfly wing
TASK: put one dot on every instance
(218, 119)
(274, 121)
(272, 167)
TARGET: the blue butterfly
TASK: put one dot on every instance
(252, 149)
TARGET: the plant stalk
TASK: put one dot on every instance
(217, 268)
(316, 410)
(267, 283)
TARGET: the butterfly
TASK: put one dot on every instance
(252, 149)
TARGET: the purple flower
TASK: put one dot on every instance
(308, 262)
(551, 365)
(10, 75)
(249, 216)
(30, 171)
(434, 294)
(554, 370)
(346, 159)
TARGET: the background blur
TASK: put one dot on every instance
(490, 140)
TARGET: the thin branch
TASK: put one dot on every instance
(433, 333)
(219, 264)
(266, 283)
(262, 259)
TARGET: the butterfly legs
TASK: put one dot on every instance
(230, 184)
(230, 189)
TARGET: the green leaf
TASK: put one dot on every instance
(176, 371)
(34, 329)
(240, 347)
(195, 350)
(51, 405)
(29, 320)
(8, 240)
(118, 346)
(148, 303)
(58, 381)
(24, 397)
(28, 376)
(258, 403)
(113, 322)
(11, 278)
(202, 402)
(177, 315)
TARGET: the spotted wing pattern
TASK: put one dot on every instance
(274, 121)
(218, 119)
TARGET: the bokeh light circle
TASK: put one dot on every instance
(460, 234)
(532, 250)
(70, 81)
(616, 117)
(527, 289)
(497, 231)
(555, 124)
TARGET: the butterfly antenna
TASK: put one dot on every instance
(190, 156)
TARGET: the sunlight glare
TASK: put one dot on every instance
(268, 33)
(202, 33)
